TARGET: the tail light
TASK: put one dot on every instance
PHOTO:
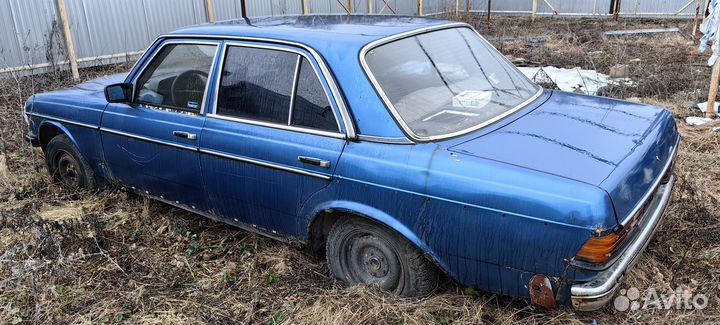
(599, 249)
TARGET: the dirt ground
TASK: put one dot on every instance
(114, 257)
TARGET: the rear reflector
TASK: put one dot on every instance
(668, 173)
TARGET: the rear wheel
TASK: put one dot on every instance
(66, 165)
(360, 251)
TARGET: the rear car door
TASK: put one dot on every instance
(273, 137)
(151, 144)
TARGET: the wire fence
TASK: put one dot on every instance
(38, 35)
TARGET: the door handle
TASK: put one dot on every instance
(186, 135)
(314, 161)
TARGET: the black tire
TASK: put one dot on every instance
(67, 166)
(361, 251)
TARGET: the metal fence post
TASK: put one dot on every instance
(489, 9)
(210, 11)
(534, 9)
(62, 10)
(370, 6)
(243, 10)
(305, 7)
(697, 16)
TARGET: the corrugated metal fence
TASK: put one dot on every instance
(103, 31)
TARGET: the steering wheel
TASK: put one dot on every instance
(185, 87)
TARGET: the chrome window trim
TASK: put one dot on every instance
(287, 126)
(148, 139)
(339, 100)
(387, 140)
(414, 137)
(337, 135)
(652, 188)
(263, 163)
(293, 94)
(151, 58)
(62, 120)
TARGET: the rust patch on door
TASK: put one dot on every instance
(541, 292)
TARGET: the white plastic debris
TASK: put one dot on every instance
(642, 31)
(711, 31)
(703, 106)
(576, 80)
(695, 121)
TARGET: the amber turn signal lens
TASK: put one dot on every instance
(598, 249)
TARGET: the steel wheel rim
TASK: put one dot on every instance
(68, 170)
(371, 260)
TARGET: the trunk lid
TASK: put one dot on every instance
(619, 146)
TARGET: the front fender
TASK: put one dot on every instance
(47, 125)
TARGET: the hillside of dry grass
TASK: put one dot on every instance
(114, 257)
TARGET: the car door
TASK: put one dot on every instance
(273, 137)
(151, 144)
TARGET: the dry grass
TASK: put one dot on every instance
(113, 257)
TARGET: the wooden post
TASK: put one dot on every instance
(489, 8)
(467, 9)
(370, 6)
(349, 7)
(616, 11)
(534, 9)
(243, 11)
(710, 113)
(696, 23)
(210, 11)
(62, 10)
(305, 7)
(419, 8)
(457, 7)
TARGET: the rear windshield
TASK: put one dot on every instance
(445, 82)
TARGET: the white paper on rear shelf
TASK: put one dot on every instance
(472, 99)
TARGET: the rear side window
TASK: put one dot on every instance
(177, 77)
(273, 86)
(312, 108)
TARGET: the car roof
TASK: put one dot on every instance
(322, 32)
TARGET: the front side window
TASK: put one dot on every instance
(443, 82)
(257, 84)
(177, 77)
(274, 86)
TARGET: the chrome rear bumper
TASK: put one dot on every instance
(595, 294)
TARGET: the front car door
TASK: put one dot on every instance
(273, 137)
(151, 144)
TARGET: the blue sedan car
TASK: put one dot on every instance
(403, 147)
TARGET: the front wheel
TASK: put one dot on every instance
(360, 251)
(66, 165)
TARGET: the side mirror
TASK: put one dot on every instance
(119, 93)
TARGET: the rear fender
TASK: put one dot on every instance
(381, 217)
